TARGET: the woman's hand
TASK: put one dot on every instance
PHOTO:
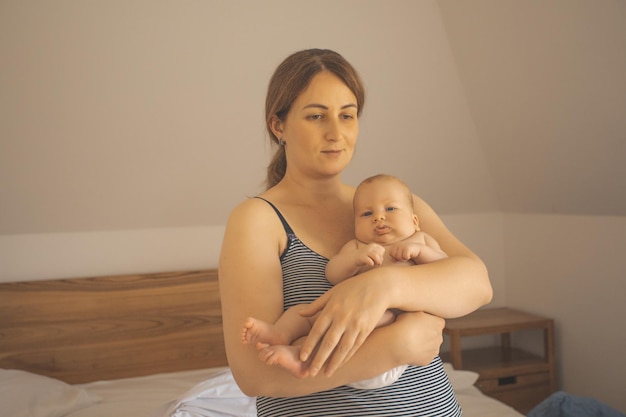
(348, 313)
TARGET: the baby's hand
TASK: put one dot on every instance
(420, 253)
(405, 251)
(370, 255)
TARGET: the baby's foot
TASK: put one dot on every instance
(258, 331)
(285, 356)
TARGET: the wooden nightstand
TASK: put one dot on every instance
(511, 375)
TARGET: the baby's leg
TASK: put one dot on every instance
(285, 356)
(290, 326)
(257, 331)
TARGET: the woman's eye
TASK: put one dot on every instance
(348, 116)
(315, 117)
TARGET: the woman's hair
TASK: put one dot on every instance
(290, 79)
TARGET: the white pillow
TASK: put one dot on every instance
(23, 394)
(458, 378)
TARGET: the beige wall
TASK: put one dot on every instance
(570, 268)
(129, 129)
(129, 115)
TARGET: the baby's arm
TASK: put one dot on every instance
(421, 248)
(351, 258)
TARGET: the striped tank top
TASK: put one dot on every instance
(420, 391)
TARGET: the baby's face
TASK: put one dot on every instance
(383, 213)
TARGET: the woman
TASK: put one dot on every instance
(276, 248)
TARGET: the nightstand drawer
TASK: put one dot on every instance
(513, 382)
(523, 399)
(521, 392)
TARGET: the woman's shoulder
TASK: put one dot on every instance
(253, 209)
(254, 221)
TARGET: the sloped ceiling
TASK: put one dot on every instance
(546, 86)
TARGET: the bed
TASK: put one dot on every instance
(145, 345)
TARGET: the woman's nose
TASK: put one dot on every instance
(333, 132)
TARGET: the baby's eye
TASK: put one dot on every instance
(366, 214)
(390, 208)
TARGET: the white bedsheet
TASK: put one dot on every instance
(476, 404)
(140, 396)
(174, 394)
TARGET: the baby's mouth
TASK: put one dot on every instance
(381, 230)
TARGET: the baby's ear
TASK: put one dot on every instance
(416, 221)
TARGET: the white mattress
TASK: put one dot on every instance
(159, 395)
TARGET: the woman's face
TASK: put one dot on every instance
(321, 128)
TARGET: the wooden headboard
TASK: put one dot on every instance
(87, 329)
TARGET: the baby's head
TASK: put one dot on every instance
(383, 210)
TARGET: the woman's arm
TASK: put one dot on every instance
(250, 281)
(451, 287)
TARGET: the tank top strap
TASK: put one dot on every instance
(288, 229)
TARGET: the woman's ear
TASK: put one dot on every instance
(276, 126)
